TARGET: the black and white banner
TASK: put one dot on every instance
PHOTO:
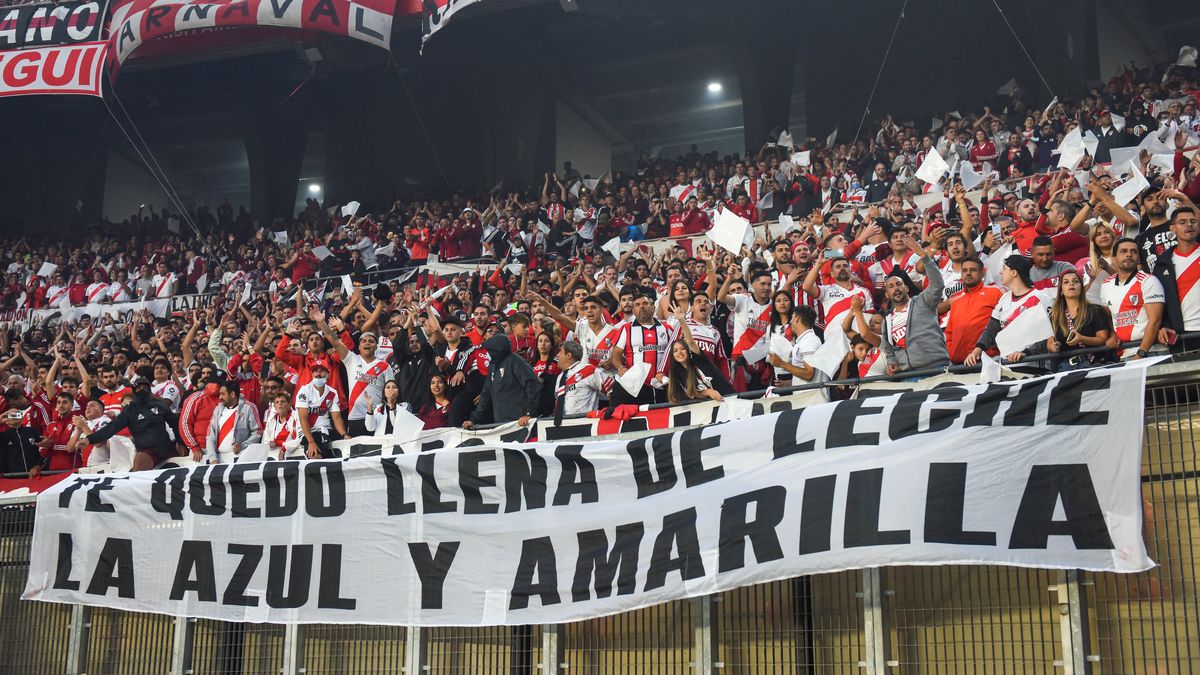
(438, 14)
(1038, 473)
(55, 24)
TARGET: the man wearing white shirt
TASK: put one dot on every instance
(366, 373)
(1134, 298)
(578, 388)
(162, 284)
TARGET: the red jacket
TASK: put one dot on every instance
(195, 417)
(57, 456)
(303, 364)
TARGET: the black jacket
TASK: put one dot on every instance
(413, 370)
(511, 389)
(18, 449)
(1164, 270)
(147, 423)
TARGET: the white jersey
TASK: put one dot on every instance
(836, 301)
(596, 348)
(1127, 304)
(1187, 273)
(100, 452)
(120, 292)
(881, 269)
(282, 433)
(96, 293)
(364, 377)
(162, 285)
(803, 347)
(167, 391)
(749, 315)
(1008, 308)
(318, 404)
(578, 390)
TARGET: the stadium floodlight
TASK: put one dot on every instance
(714, 87)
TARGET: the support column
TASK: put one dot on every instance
(765, 73)
(552, 652)
(78, 637)
(275, 143)
(181, 645)
(705, 641)
(874, 622)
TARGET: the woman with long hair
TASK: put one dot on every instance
(546, 368)
(685, 379)
(678, 295)
(436, 411)
(1100, 262)
(382, 420)
(781, 317)
(1078, 324)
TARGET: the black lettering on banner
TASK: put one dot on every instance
(396, 506)
(1022, 406)
(620, 563)
(235, 591)
(242, 8)
(431, 494)
(1072, 483)
(193, 12)
(62, 570)
(330, 588)
(526, 478)
(281, 479)
(945, 504)
(863, 495)
(664, 464)
(240, 489)
(195, 557)
(126, 36)
(215, 474)
(737, 527)
(317, 489)
(678, 533)
(324, 8)
(279, 9)
(906, 414)
(469, 481)
(114, 569)
(577, 476)
(683, 417)
(692, 445)
(94, 502)
(841, 424)
(64, 497)
(1066, 399)
(549, 432)
(432, 570)
(787, 428)
(537, 561)
(153, 18)
(471, 442)
(166, 495)
(816, 514)
(298, 581)
(430, 446)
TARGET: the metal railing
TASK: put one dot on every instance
(944, 620)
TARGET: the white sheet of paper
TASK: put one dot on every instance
(634, 378)
(513, 268)
(989, 369)
(321, 252)
(968, 176)
(441, 291)
(1090, 142)
(591, 183)
(828, 359)
(803, 158)
(173, 225)
(767, 201)
(407, 426)
(1007, 88)
(1187, 56)
(933, 168)
(1118, 121)
(1155, 145)
(756, 353)
(995, 260)
(246, 289)
(1050, 105)
(347, 285)
(350, 209)
(543, 227)
(281, 237)
(389, 250)
(1033, 325)
(202, 283)
(831, 138)
(46, 269)
(785, 222)
(574, 189)
(1165, 163)
(729, 231)
(1121, 159)
(1071, 157)
(254, 452)
(613, 246)
(785, 140)
(1130, 189)
(781, 346)
(928, 200)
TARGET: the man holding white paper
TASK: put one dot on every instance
(1020, 298)
(645, 342)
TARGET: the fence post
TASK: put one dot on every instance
(80, 632)
(293, 648)
(1072, 623)
(416, 649)
(705, 627)
(875, 631)
(181, 645)
(552, 650)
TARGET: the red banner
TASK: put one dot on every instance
(65, 69)
(137, 22)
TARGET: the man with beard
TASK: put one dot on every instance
(146, 418)
(1030, 225)
(837, 297)
(912, 334)
(968, 310)
(1134, 298)
(1157, 236)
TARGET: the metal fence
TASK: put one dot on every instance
(947, 620)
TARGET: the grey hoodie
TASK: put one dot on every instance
(925, 343)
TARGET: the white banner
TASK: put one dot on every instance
(1038, 473)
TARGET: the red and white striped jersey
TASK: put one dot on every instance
(836, 301)
(597, 346)
(650, 344)
(167, 391)
(1187, 273)
(318, 404)
(363, 377)
(1127, 303)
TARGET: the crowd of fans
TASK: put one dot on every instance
(547, 321)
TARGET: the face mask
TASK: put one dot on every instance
(141, 395)
(318, 381)
(211, 388)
